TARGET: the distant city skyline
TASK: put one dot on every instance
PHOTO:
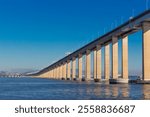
(35, 34)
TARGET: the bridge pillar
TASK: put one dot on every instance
(80, 66)
(97, 63)
(107, 61)
(50, 76)
(64, 71)
(146, 51)
(60, 72)
(88, 66)
(57, 72)
(52, 73)
(115, 57)
(68, 69)
(125, 58)
(73, 68)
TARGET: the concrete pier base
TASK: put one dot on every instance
(68, 78)
(62, 78)
(97, 80)
(86, 79)
(104, 81)
(118, 81)
(143, 82)
(75, 79)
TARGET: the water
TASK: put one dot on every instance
(46, 89)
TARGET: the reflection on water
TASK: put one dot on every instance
(27, 88)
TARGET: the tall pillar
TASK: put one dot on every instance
(114, 57)
(146, 51)
(73, 67)
(125, 57)
(60, 72)
(68, 69)
(52, 73)
(97, 63)
(50, 76)
(80, 66)
(64, 70)
(55, 72)
(88, 66)
(107, 61)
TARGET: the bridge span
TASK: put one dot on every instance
(63, 69)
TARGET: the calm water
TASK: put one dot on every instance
(45, 89)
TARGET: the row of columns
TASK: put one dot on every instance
(64, 70)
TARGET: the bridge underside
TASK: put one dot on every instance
(66, 67)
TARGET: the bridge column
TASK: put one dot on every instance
(52, 73)
(88, 66)
(74, 68)
(60, 72)
(97, 63)
(107, 62)
(125, 58)
(64, 71)
(115, 57)
(146, 51)
(55, 72)
(68, 70)
(80, 66)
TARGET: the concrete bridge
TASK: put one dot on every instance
(62, 69)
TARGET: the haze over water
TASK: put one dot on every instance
(46, 89)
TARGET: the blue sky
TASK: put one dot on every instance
(35, 33)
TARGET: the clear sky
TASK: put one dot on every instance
(35, 33)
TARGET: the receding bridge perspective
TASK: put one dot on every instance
(65, 68)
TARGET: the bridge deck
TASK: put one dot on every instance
(131, 26)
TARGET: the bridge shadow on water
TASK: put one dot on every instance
(46, 89)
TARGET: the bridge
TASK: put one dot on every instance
(63, 69)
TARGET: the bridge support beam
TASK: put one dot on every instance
(80, 67)
(97, 63)
(125, 58)
(107, 62)
(55, 72)
(61, 71)
(50, 76)
(74, 68)
(88, 66)
(146, 51)
(115, 57)
(64, 71)
(68, 70)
